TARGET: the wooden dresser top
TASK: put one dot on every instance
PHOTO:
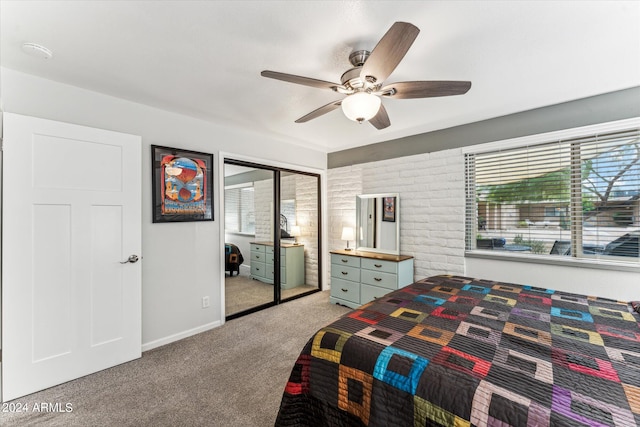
(374, 255)
(284, 245)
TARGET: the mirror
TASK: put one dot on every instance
(378, 223)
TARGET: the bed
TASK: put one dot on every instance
(458, 351)
(232, 258)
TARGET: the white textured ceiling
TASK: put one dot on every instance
(203, 58)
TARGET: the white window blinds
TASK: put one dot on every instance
(239, 209)
(578, 197)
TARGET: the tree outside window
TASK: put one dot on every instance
(533, 197)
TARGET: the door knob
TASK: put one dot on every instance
(132, 259)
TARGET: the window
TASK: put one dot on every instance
(239, 209)
(578, 197)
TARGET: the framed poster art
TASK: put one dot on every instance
(389, 209)
(182, 182)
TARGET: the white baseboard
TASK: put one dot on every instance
(177, 337)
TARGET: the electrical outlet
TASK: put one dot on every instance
(205, 302)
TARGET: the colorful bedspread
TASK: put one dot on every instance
(456, 351)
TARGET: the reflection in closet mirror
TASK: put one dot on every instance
(378, 223)
(287, 217)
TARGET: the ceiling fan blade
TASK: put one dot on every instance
(389, 51)
(307, 81)
(320, 111)
(381, 119)
(425, 89)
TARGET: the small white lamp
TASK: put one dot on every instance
(347, 234)
(295, 232)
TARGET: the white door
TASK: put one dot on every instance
(70, 216)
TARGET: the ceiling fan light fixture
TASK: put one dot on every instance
(361, 106)
(363, 84)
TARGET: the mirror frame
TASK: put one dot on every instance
(359, 198)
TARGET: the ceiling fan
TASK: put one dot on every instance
(363, 84)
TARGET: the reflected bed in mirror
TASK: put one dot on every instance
(378, 223)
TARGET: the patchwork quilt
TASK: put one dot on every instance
(458, 351)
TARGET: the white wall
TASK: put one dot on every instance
(431, 193)
(618, 285)
(171, 293)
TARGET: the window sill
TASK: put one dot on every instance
(560, 260)
(238, 233)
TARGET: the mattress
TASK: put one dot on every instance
(459, 351)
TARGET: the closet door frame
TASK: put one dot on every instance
(277, 170)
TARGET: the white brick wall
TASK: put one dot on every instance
(431, 190)
(288, 193)
(343, 184)
(263, 199)
(306, 190)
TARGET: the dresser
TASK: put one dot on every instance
(360, 277)
(291, 263)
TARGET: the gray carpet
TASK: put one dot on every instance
(242, 293)
(233, 375)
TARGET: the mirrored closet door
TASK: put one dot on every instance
(299, 231)
(272, 236)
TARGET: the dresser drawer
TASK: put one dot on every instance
(349, 261)
(258, 269)
(345, 273)
(369, 293)
(257, 248)
(345, 289)
(269, 258)
(379, 278)
(380, 265)
(269, 272)
(258, 257)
